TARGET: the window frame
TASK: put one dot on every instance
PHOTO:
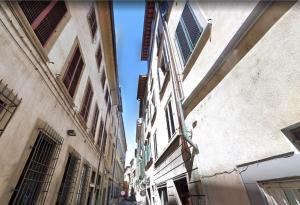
(170, 115)
(202, 23)
(289, 132)
(48, 135)
(92, 11)
(95, 121)
(29, 32)
(67, 67)
(87, 101)
(9, 103)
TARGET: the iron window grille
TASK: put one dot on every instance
(87, 101)
(169, 119)
(43, 17)
(188, 32)
(67, 187)
(33, 184)
(83, 185)
(99, 56)
(95, 120)
(73, 73)
(9, 103)
(92, 21)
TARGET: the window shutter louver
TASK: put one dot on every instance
(43, 17)
(194, 30)
(188, 32)
(87, 101)
(183, 42)
(73, 73)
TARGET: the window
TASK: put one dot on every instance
(106, 95)
(8, 105)
(68, 183)
(104, 142)
(100, 133)
(95, 120)
(293, 134)
(74, 71)
(33, 184)
(282, 192)
(92, 21)
(169, 119)
(188, 32)
(155, 146)
(183, 191)
(103, 78)
(163, 195)
(43, 17)
(98, 59)
(87, 101)
(83, 184)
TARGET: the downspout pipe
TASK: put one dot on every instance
(186, 134)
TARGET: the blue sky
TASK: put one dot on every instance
(129, 21)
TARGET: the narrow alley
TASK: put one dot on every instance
(149, 103)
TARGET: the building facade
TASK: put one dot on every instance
(61, 123)
(219, 106)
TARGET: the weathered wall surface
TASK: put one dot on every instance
(241, 119)
(21, 70)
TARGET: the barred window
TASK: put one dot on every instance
(74, 71)
(92, 21)
(44, 17)
(33, 184)
(67, 186)
(8, 105)
(83, 184)
(87, 101)
(95, 120)
(188, 32)
(99, 56)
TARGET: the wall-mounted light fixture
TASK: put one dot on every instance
(71, 132)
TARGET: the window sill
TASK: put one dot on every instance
(197, 50)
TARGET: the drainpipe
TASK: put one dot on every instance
(186, 134)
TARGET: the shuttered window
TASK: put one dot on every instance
(44, 17)
(169, 119)
(33, 184)
(74, 71)
(100, 133)
(188, 32)
(92, 21)
(104, 142)
(99, 55)
(95, 120)
(87, 101)
(103, 78)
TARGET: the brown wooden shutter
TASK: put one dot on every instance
(95, 119)
(92, 21)
(73, 73)
(43, 17)
(87, 101)
(99, 56)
